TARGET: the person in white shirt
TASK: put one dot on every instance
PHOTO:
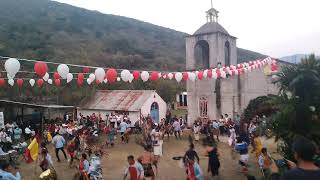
(177, 128)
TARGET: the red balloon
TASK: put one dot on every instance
(40, 82)
(185, 76)
(218, 74)
(80, 76)
(57, 82)
(85, 70)
(41, 68)
(200, 75)
(79, 82)
(20, 82)
(136, 75)
(274, 67)
(111, 75)
(210, 73)
(2, 82)
(154, 76)
(97, 82)
(56, 75)
(233, 72)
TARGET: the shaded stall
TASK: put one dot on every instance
(25, 114)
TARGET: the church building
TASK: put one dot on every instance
(211, 46)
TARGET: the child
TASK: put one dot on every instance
(71, 148)
(242, 148)
(265, 162)
(196, 130)
(194, 170)
(84, 167)
(111, 132)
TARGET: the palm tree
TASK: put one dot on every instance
(298, 103)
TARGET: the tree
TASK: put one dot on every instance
(298, 104)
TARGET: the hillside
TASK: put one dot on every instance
(44, 29)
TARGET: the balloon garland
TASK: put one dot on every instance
(110, 75)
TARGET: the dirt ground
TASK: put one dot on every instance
(115, 163)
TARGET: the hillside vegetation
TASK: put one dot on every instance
(48, 30)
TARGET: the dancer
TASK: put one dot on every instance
(213, 162)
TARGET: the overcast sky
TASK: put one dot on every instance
(274, 27)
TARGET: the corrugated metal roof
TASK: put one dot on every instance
(117, 100)
(36, 105)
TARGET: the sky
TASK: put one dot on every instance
(273, 27)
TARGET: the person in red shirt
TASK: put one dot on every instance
(134, 170)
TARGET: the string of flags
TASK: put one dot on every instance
(100, 75)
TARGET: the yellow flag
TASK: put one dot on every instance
(49, 137)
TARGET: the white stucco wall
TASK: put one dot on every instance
(146, 107)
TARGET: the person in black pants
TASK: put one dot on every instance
(59, 143)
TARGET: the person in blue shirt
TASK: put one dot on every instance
(59, 143)
(123, 128)
(6, 172)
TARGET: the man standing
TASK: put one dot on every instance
(123, 128)
(177, 128)
(59, 143)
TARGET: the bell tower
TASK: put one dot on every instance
(209, 47)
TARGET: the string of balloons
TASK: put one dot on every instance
(110, 75)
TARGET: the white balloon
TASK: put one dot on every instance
(170, 76)
(205, 73)
(99, 74)
(144, 76)
(192, 76)
(69, 77)
(9, 77)
(223, 74)
(125, 75)
(159, 75)
(105, 80)
(49, 81)
(12, 66)
(131, 78)
(118, 79)
(178, 76)
(32, 81)
(11, 82)
(46, 77)
(92, 77)
(89, 81)
(236, 72)
(214, 75)
(245, 70)
(63, 71)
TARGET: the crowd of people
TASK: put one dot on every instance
(77, 141)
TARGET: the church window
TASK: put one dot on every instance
(202, 55)
(227, 53)
(203, 107)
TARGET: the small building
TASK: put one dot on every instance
(134, 103)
